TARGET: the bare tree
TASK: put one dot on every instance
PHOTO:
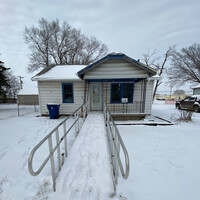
(179, 92)
(185, 66)
(158, 63)
(52, 43)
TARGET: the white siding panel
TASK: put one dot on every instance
(149, 97)
(51, 92)
(116, 70)
(137, 91)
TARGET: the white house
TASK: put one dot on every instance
(196, 90)
(126, 85)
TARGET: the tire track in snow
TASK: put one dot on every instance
(3, 152)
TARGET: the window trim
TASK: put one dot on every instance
(122, 92)
(63, 93)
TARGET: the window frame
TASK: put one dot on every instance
(122, 92)
(63, 93)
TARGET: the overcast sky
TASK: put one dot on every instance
(129, 26)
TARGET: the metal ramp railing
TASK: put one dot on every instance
(81, 112)
(115, 142)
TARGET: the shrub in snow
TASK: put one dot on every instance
(184, 116)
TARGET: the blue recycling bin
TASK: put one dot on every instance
(53, 111)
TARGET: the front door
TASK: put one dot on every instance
(96, 96)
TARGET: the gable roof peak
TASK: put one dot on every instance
(118, 56)
(115, 53)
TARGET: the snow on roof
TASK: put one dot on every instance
(60, 72)
(155, 77)
(197, 86)
(28, 91)
(196, 96)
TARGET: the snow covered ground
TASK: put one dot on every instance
(18, 136)
(11, 110)
(164, 160)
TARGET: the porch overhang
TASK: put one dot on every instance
(116, 80)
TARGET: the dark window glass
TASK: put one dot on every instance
(116, 93)
(67, 93)
(192, 99)
(128, 91)
(121, 90)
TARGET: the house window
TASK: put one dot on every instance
(121, 90)
(67, 91)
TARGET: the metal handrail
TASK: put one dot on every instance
(115, 142)
(78, 113)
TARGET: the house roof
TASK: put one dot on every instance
(116, 56)
(75, 72)
(59, 72)
(197, 86)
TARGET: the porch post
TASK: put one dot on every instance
(144, 95)
(85, 87)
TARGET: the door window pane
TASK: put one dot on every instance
(96, 94)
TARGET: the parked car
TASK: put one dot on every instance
(189, 103)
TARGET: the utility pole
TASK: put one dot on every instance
(171, 91)
(20, 81)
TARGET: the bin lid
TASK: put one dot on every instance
(54, 104)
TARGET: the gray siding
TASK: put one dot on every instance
(51, 92)
(196, 91)
(149, 97)
(27, 99)
(116, 70)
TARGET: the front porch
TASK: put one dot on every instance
(126, 99)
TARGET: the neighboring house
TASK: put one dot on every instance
(170, 97)
(125, 84)
(28, 95)
(196, 90)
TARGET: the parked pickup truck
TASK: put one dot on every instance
(189, 103)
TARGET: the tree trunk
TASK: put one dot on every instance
(154, 93)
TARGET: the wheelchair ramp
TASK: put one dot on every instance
(86, 173)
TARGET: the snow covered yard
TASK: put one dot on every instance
(11, 110)
(165, 161)
(18, 136)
